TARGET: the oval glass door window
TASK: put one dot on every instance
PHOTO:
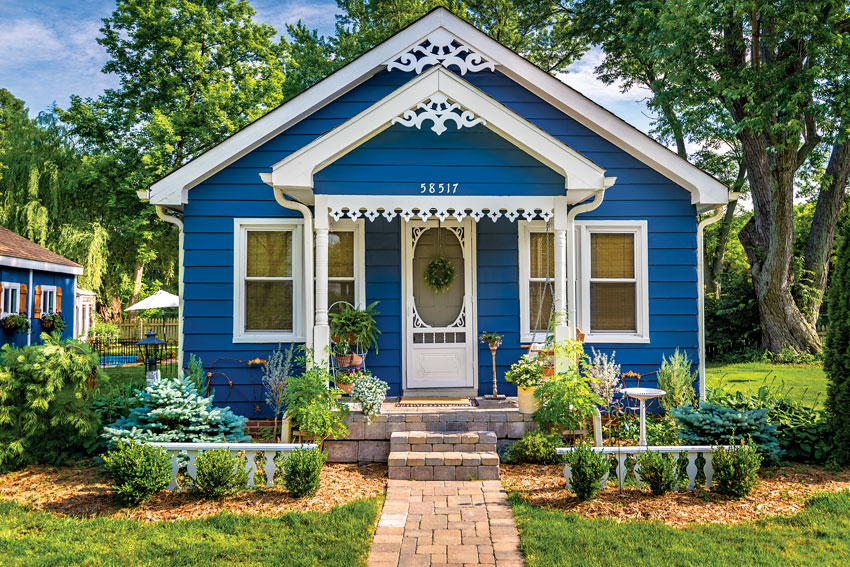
(438, 309)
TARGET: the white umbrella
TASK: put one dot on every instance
(158, 300)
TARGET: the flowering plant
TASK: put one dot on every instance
(605, 375)
(492, 339)
(369, 392)
(527, 372)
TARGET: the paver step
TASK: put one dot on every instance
(428, 441)
(443, 465)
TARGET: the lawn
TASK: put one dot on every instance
(818, 536)
(340, 537)
(805, 382)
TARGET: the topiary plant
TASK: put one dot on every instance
(220, 473)
(301, 471)
(139, 471)
(735, 470)
(587, 468)
(659, 471)
(537, 448)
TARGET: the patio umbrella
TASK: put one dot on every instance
(158, 300)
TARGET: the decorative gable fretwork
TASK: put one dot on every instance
(441, 48)
(439, 110)
(441, 207)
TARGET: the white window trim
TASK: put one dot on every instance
(358, 227)
(639, 229)
(45, 289)
(299, 315)
(526, 228)
(5, 286)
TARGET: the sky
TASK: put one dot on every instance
(48, 52)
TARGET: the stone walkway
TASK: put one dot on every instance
(446, 524)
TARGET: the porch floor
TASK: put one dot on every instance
(390, 407)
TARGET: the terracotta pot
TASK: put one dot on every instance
(356, 360)
(548, 371)
(527, 402)
(343, 360)
(345, 387)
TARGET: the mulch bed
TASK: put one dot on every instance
(781, 491)
(84, 491)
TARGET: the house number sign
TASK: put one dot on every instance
(438, 188)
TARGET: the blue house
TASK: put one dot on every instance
(35, 282)
(438, 142)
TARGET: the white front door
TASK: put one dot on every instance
(439, 327)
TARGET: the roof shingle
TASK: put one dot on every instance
(17, 246)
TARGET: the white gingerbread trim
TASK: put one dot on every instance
(440, 48)
(439, 110)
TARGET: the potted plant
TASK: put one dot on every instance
(369, 392)
(12, 323)
(527, 373)
(345, 379)
(356, 326)
(52, 322)
(342, 354)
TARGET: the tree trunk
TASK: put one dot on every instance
(822, 234)
(716, 266)
(138, 272)
(768, 241)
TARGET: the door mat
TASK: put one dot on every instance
(436, 402)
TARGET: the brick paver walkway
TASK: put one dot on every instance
(446, 524)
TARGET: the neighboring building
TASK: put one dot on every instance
(84, 312)
(439, 140)
(35, 281)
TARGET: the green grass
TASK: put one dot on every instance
(122, 376)
(817, 537)
(806, 382)
(340, 537)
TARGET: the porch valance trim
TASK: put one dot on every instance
(442, 207)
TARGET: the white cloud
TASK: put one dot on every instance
(27, 39)
(318, 14)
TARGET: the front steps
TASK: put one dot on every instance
(427, 455)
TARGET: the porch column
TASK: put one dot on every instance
(560, 299)
(321, 329)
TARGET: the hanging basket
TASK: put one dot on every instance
(439, 275)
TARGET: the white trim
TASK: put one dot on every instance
(173, 189)
(718, 214)
(11, 285)
(45, 290)
(358, 227)
(639, 229)
(442, 207)
(295, 171)
(525, 230)
(299, 314)
(22, 263)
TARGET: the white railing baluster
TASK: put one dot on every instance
(191, 470)
(621, 469)
(251, 467)
(269, 468)
(637, 474)
(175, 468)
(692, 469)
(709, 469)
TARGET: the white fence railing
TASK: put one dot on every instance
(180, 451)
(621, 454)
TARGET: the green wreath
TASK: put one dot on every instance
(439, 275)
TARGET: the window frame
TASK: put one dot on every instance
(9, 285)
(240, 263)
(45, 289)
(526, 229)
(358, 227)
(641, 279)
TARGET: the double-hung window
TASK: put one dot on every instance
(48, 299)
(537, 279)
(346, 264)
(11, 298)
(614, 281)
(268, 289)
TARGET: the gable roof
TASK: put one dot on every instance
(403, 51)
(16, 251)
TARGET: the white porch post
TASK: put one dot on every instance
(321, 328)
(562, 329)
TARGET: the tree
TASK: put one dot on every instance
(836, 361)
(775, 73)
(191, 73)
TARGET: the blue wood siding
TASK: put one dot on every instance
(22, 276)
(396, 162)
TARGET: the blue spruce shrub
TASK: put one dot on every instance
(173, 410)
(711, 424)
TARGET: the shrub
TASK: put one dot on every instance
(316, 408)
(103, 331)
(735, 470)
(676, 378)
(301, 470)
(587, 467)
(537, 448)
(732, 327)
(566, 403)
(711, 424)
(527, 372)
(836, 361)
(139, 471)
(659, 471)
(370, 393)
(173, 410)
(220, 473)
(46, 394)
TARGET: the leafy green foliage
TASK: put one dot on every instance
(46, 391)
(315, 407)
(369, 392)
(54, 319)
(527, 372)
(103, 331)
(659, 471)
(537, 448)
(19, 323)
(732, 319)
(587, 468)
(174, 410)
(351, 324)
(139, 471)
(677, 379)
(276, 371)
(301, 471)
(712, 424)
(566, 403)
(735, 470)
(836, 362)
(220, 473)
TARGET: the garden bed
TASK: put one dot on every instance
(84, 491)
(781, 491)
